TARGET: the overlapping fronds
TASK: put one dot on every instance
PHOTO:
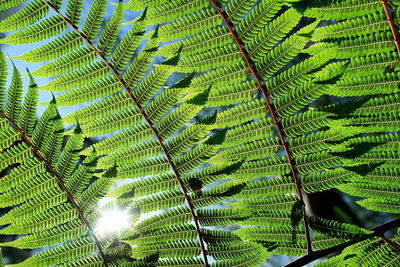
(51, 200)
(202, 103)
(161, 136)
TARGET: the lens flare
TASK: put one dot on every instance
(112, 222)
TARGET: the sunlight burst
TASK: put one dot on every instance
(112, 222)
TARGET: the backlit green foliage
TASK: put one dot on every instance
(209, 169)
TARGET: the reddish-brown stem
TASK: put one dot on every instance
(377, 231)
(270, 108)
(150, 124)
(391, 243)
(60, 182)
(392, 25)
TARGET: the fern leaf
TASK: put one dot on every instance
(338, 230)
(56, 48)
(46, 29)
(242, 113)
(27, 117)
(189, 25)
(367, 24)
(9, 4)
(132, 135)
(274, 186)
(114, 122)
(238, 251)
(225, 55)
(81, 77)
(174, 10)
(333, 9)
(131, 154)
(14, 96)
(82, 175)
(327, 180)
(97, 89)
(26, 16)
(236, 9)
(272, 33)
(75, 59)
(3, 79)
(257, 18)
(271, 234)
(258, 149)
(110, 32)
(68, 158)
(248, 132)
(208, 40)
(92, 24)
(74, 11)
(128, 44)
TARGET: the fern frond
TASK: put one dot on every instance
(273, 186)
(241, 113)
(38, 32)
(56, 48)
(335, 229)
(37, 189)
(14, 96)
(322, 140)
(203, 61)
(248, 132)
(74, 11)
(258, 149)
(173, 10)
(371, 64)
(333, 9)
(90, 92)
(273, 32)
(327, 180)
(271, 234)
(3, 78)
(204, 41)
(110, 32)
(278, 56)
(240, 251)
(27, 118)
(257, 18)
(132, 135)
(371, 23)
(296, 75)
(168, 249)
(360, 46)
(268, 167)
(81, 77)
(26, 16)
(92, 24)
(376, 84)
(9, 4)
(189, 25)
(116, 121)
(128, 44)
(281, 203)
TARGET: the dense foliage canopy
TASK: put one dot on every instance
(209, 123)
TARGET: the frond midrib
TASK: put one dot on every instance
(270, 109)
(61, 183)
(151, 126)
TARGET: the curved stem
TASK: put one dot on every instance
(377, 231)
(392, 25)
(391, 243)
(270, 109)
(70, 198)
(150, 124)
